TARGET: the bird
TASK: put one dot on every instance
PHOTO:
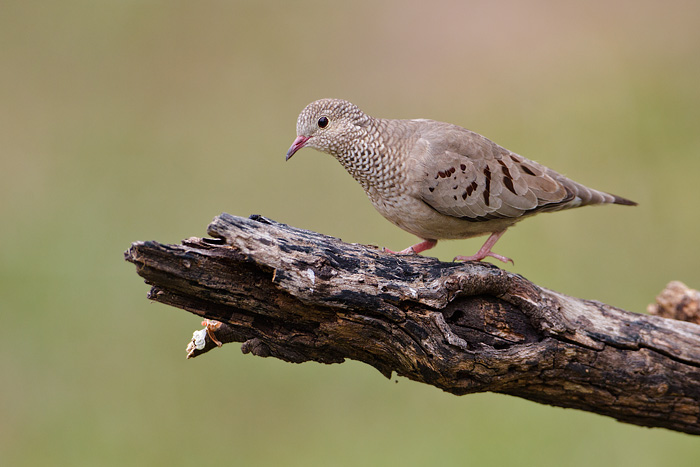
(437, 180)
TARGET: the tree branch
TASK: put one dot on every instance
(298, 296)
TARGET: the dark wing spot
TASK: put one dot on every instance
(431, 189)
(514, 158)
(446, 173)
(470, 189)
(463, 167)
(455, 187)
(505, 171)
(527, 169)
(507, 178)
(464, 195)
(455, 197)
(508, 182)
(487, 185)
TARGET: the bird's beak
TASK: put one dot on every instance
(296, 145)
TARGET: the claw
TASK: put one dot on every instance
(485, 250)
(478, 257)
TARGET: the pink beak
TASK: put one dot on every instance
(296, 145)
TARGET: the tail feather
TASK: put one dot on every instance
(588, 196)
(581, 195)
(622, 201)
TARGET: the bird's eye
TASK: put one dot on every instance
(323, 122)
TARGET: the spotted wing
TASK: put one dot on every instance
(468, 176)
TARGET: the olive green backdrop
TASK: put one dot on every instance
(139, 120)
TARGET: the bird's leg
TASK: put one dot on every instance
(415, 249)
(485, 250)
(419, 247)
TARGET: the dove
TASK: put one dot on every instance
(437, 180)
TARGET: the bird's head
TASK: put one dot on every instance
(328, 125)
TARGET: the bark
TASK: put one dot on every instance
(463, 327)
(677, 301)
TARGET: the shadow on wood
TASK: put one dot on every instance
(470, 327)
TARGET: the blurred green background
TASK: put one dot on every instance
(140, 120)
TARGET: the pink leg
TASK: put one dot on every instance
(415, 249)
(485, 250)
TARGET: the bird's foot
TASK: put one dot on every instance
(414, 249)
(481, 256)
(485, 250)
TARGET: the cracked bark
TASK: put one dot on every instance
(471, 327)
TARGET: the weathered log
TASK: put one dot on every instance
(677, 301)
(463, 327)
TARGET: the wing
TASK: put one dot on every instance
(466, 175)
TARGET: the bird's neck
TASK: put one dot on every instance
(369, 159)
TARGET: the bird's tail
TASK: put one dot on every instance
(621, 200)
(588, 196)
(584, 196)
